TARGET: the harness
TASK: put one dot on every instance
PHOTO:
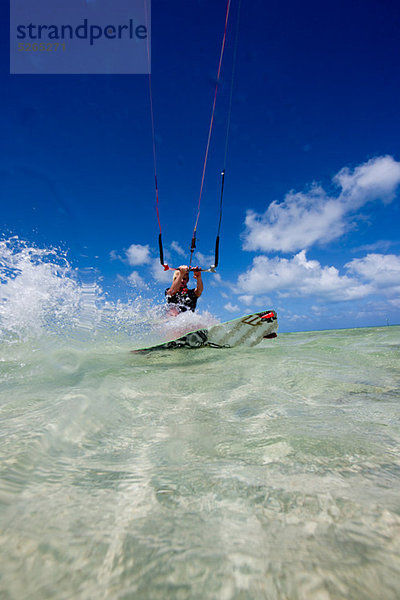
(184, 298)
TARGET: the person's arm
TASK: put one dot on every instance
(177, 280)
(199, 287)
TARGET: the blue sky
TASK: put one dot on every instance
(311, 205)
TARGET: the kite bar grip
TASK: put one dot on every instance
(216, 259)
(161, 251)
(210, 270)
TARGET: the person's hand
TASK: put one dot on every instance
(196, 272)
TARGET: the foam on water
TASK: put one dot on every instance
(270, 472)
(42, 294)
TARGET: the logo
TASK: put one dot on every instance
(80, 37)
(253, 320)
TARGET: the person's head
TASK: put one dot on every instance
(185, 276)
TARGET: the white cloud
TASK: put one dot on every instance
(137, 281)
(381, 269)
(246, 299)
(304, 219)
(231, 307)
(395, 302)
(382, 245)
(294, 317)
(319, 310)
(138, 255)
(216, 279)
(299, 277)
(114, 255)
(158, 273)
(298, 222)
(251, 301)
(204, 260)
(178, 249)
(376, 179)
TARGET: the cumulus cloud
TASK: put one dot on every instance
(376, 179)
(300, 277)
(137, 281)
(158, 273)
(114, 255)
(305, 219)
(216, 280)
(138, 254)
(247, 299)
(177, 248)
(382, 269)
(298, 222)
(231, 307)
(204, 260)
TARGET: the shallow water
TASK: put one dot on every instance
(270, 472)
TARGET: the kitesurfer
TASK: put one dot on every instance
(179, 295)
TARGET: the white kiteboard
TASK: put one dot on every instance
(245, 331)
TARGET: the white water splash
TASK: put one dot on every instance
(38, 288)
(41, 293)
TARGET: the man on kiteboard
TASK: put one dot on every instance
(179, 295)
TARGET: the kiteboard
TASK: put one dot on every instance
(246, 331)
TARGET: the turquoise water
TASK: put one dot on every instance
(271, 472)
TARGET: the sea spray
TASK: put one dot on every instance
(271, 472)
(38, 290)
(42, 295)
